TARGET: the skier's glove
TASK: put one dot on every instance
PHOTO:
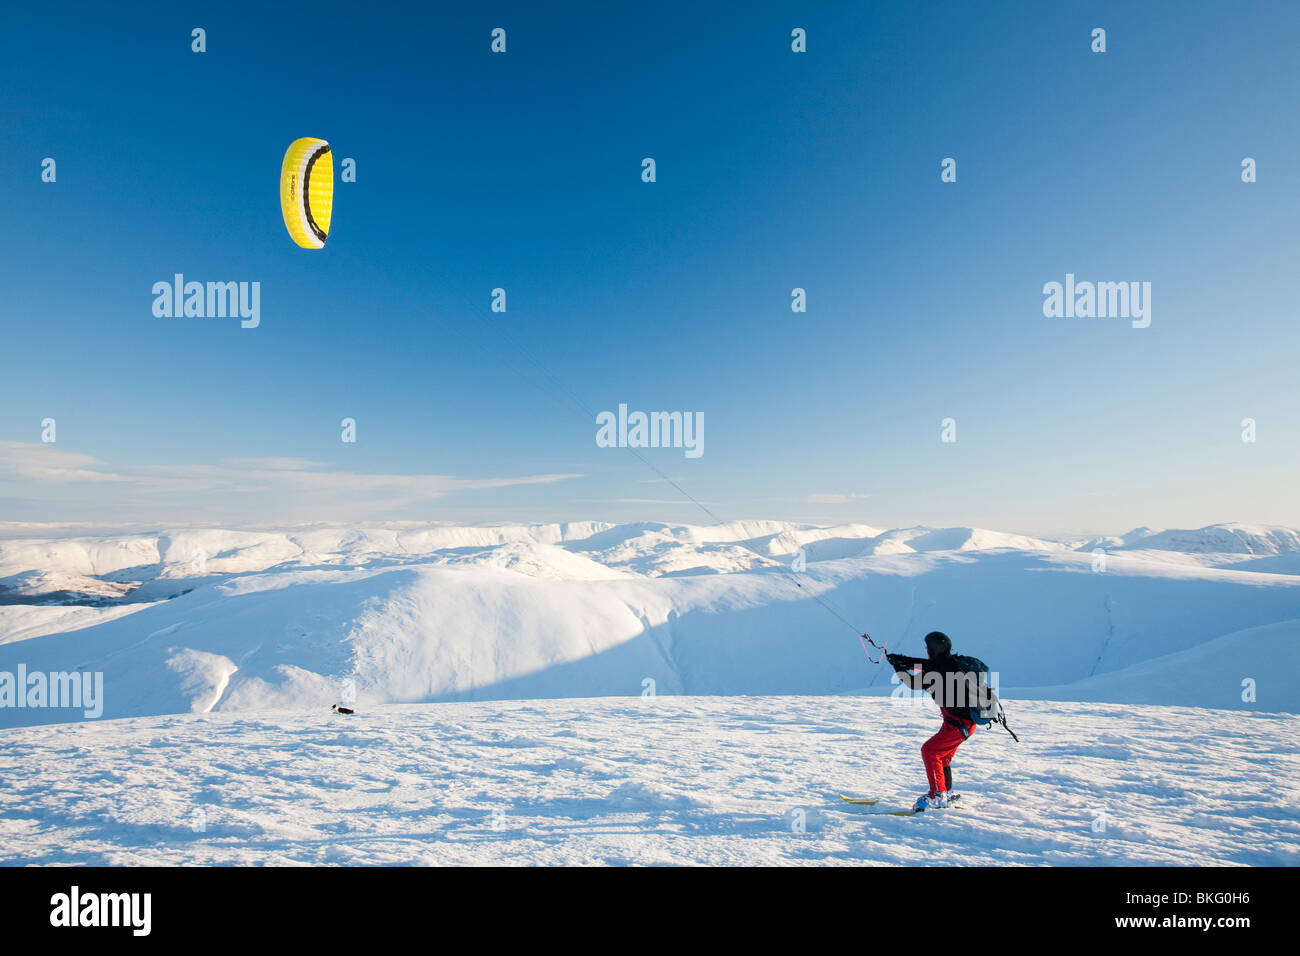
(901, 662)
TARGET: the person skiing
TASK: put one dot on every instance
(941, 675)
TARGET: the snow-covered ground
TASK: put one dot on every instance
(498, 674)
(720, 780)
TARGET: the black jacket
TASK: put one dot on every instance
(942, 676)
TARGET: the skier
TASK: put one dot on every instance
(938, 675)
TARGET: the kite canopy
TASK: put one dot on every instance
(307, 191)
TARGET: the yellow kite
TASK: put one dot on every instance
(307, 191)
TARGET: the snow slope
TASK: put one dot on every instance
(1268, 657)
(225, 621)
(667, 780)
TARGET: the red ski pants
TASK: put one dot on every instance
(936, 753)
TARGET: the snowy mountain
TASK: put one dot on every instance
(1218, 539)
(214, 620)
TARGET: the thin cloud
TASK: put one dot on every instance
(274, 464)
(235, 485)
(834, 499)
(35, 461)
(644, 501)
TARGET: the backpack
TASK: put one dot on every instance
(983, 708)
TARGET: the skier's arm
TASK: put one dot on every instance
(902, 662)
(903, 665)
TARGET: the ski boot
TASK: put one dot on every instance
(931, 801)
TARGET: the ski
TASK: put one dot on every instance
(863, 802)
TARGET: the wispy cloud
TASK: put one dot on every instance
(37, 462)
(275, 464)
(54, 477)
(834, 499)
(646, 501)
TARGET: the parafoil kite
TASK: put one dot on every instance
(307, 191)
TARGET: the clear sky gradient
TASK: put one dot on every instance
(775, 169)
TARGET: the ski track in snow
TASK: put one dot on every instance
(666, 780)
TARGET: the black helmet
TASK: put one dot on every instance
(937, 643)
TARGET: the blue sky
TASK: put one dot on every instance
(775, 170)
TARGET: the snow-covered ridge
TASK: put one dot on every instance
(1218, 539)
(103, 570)
(196, 620)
